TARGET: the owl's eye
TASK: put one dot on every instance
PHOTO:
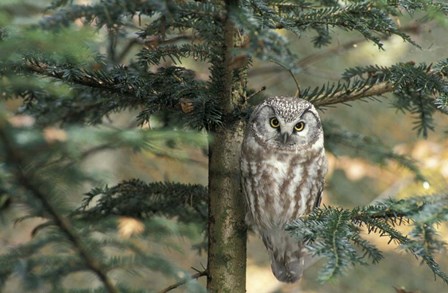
(274, 122)
(299, 126)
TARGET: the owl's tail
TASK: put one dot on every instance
(287, 271)
(287, 256)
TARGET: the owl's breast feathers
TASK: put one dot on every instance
(281, 187)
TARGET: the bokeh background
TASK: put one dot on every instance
(351, 181)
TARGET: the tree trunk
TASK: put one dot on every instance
(227, 230)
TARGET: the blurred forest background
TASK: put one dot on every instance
(351, 181)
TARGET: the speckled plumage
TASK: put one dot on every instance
(282, 174)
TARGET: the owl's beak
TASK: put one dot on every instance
(285, 137)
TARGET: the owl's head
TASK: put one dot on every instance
(286, 123)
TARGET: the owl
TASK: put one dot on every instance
(283, 165)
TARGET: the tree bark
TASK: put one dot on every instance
(227, 230)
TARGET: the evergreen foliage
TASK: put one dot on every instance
(335, 232)
(69, 82)
(137, 199)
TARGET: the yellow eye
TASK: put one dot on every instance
(274, 122)
(299, 126)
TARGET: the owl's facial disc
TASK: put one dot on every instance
(286, 129)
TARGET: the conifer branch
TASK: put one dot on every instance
(86, 79)
(207, 31)
(304, 62)
(26, 180)
(120, 88)
(326, 226)
(364, 17)
(347, 95)
(135, 198)
(155, 41)
(107, 13)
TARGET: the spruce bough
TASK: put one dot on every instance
(73, 69)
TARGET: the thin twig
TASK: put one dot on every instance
(263, 88)
(64, 224)
(184, 281)
(292, 75)
(152, 41)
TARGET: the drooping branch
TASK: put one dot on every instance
(26, 180)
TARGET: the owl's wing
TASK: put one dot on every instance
(249, 218)
(319, 197)
(321, 182)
